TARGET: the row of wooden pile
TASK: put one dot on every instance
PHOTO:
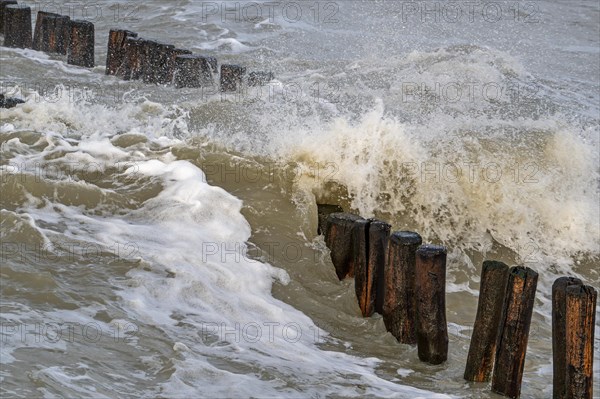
(405, 281)
(129, 56)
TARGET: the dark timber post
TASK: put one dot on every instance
(360, 248)
(131, 67)
(231, 77)
(17, 26)
(52, 33)
(370, 240)
(172, 54)
(559, 334)
(379, 235)
(516, 320)
(81, 46)
(116, 49)
(399, 305)
(430, 286)
(4, 3)
(580, 323)
(192, 71)
(338, 237)
(482, 351)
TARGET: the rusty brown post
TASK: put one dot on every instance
(514, 326)
(559, 334)
(580, 324)
(52, 33)
(371, 241)
(399, 305)
(482, 350)
(430, 287)
(81, 45)
(116, 49)
(338, 237)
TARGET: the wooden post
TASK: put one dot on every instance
(52, 33)
(482, 351)
(399, 305)
(514, 327)
(372, 236)
(323, 212)
(81, 46)
(559, 334)
(338, 237)
(430, 287)
(155, 61)
(9, 102)
(379, 235)
(260, 78)
(40, 27)
(580, 323)
(192, 71)
(116, 49)
(132, 66)
(231, 77)
(360, 248)
(4, 3)
(163, 74)
(172, 54)
(17, 26)
(212, 61)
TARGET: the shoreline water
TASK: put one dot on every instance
(139, 260)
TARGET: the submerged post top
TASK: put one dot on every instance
(494, 264)
(566, 281)
(16, 6)
(344, 216)
(580, 290)
(523, 272)
(430, 250)
(406, 238)
(379, 224)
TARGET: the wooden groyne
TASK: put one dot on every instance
(413, 278)
(129, 56)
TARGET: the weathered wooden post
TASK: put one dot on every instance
(9, 102)
(192, 71)
(260, 78)
(338, 237)
(323, 212)
(430, 287)
(4, 3)
(17, 26)
(52, 33)
(559, 334)
(399, 305)
(482, 351)
(81, 45)
(231, 77)
(371, 238)
(580, 323)
(132, 66)
(172, 54)
(155, 61)
(41, 29)
(514, 327)
(116, 49)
